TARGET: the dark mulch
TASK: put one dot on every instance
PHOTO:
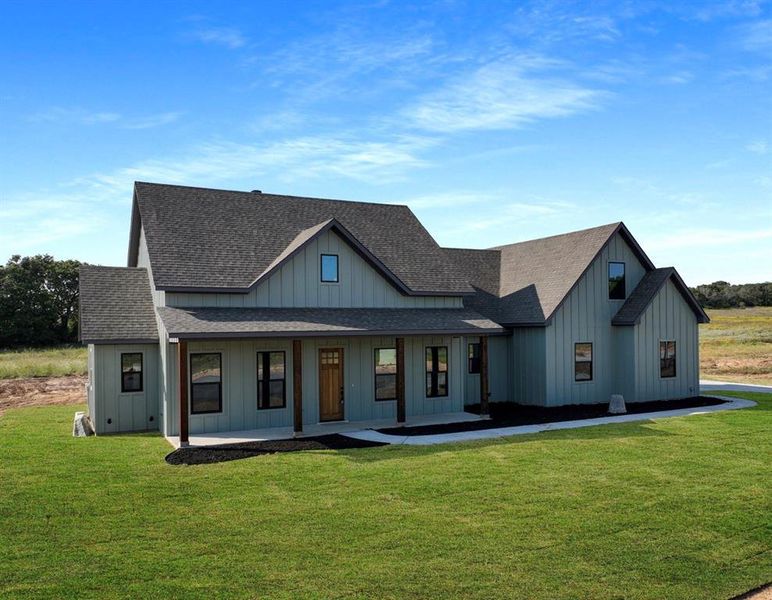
(509, 414)
(214, 454)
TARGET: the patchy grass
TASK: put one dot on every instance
(737, 345)
(674, 508)
(45, 362)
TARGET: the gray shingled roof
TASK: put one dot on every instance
(631, 311)
(204, 238)
(257, 322)
(116, 305)
(535, 276)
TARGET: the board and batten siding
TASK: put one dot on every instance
(297, 285)
(527, 358)
(498, 370)
(667, 318)
(239, 382)
(131, 411)
(143, 260)
(585, 316)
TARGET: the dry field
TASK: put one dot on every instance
(737, 345)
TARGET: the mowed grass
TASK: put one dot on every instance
(43, 362)
(737, 345)
(674, 508)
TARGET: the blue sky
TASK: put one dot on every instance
(496, 122)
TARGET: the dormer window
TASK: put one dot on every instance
(616, 281)
(329, 268)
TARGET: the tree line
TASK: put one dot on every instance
(721, 294)
(39, 300)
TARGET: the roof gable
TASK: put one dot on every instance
(216, 240)
(645, 292)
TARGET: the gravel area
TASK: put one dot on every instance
(225, 452)
(509, 414)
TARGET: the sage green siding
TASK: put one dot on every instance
(297, 284)
(239, 381)
(527, 360)
(668, 318)
(135, 411)
(143, 260)
(499, 383)
(585, 316)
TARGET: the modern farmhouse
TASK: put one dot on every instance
(245, 310)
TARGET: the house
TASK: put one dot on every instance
(244, 310)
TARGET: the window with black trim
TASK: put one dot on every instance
(667, 359)
(131, 372)
(385, 373)
(616, 281)
(205, 383)
(329, 268)
(271, 380)
(473, 358)
(436, 371)
(583, 361)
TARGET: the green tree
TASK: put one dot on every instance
(38, 301)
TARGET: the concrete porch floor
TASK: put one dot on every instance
(283, 433)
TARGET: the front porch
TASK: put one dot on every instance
(281, 433)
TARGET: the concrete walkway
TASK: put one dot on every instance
(729, 386)
(483, 434)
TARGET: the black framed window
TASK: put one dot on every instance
(205, 383)
(329, 268)
(131, 372)
(436, 371)
(473, 358)
(271, 380)
(385, 373)
(667, 359)
(583, 361)
(616, 281)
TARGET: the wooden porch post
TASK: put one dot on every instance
(297, 384)
(182, 369)
(484, 410)
(400, 380)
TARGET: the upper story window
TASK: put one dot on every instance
(616, 281)
(205, 383)
(330, 268)
(473, 357)
(131, 372)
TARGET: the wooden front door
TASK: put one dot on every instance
(331, 384)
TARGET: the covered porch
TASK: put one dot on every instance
(339, 370)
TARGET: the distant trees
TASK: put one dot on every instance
(38, 301)
(721, 294)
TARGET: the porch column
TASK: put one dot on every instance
(400, 380)
(484, 410)
(297, 384)
(182, 389)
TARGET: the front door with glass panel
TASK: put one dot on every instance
(331, 384)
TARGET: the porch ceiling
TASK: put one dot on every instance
(211, 322)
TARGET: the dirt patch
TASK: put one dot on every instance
(213, 454)
(763, 592)
(42, 391)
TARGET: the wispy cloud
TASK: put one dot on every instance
(689, 238)
(758, 147)
(79, 116)
(679, 78)
(221, 36)
(757, 36)
(503, 94)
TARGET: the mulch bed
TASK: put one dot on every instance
(225, 452)
(509, 414)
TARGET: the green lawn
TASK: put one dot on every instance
(677, 508)
(43, 362)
